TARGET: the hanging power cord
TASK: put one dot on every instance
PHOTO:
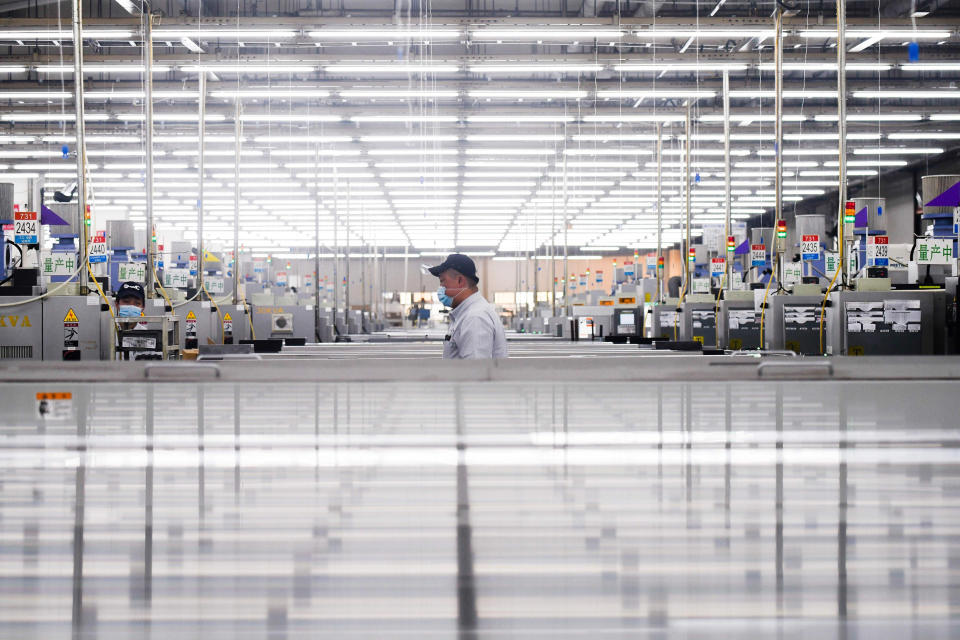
(823, 305)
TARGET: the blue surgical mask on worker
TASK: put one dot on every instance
(445, 298)
(128, 311)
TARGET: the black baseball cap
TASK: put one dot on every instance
(131, 290)
(459, 263)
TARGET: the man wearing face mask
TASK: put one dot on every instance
(475, 328)
(130, 300)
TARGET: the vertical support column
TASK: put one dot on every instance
(659, 211)
(686, 190)
(336, 247)
(316, 244)
(778, 243)
(842, 133)
(236, 203)
(346, 293)
(81, 144)
(566, 226)
(728, 229)
(202, 109)
(553, 250)
(148, 123)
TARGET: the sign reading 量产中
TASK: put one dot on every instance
(26, 227)
(58, 264)
(810, 247)
(934, 251)
(758, 255)
(877, 255)
(792, 273)
(132, 272)
(179, 278)
(214, 285)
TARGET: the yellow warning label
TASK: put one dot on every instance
(71, 317)
(191, 316)
(55, 396)
(227, 318)
(698, 339)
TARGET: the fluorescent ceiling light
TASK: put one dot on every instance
(12, 68)
(515, 94)
(191, 45)
(410, 138)
(288, 117)
(512, 152)
(35, 95)
(897, 150)
(65, 34)
(96, 67)
(521, 117)
(244, 69)
(403, 118)
(223, 33)
(931, 66)
(571, 34)
(947, 94)
(314, 139)
(385, 34)
(397, 93)
(916, 135)
(826, 66)
(860, 34)
(808, 94)
(620, 117)
(51, 117)
(546, 137)
(872, 117)
(270, 92)
(658, 93)
(139, 95)
(703, 34)
(413, 152)
(669, 67)
(535, 68)
(393, 68)
(945, 116)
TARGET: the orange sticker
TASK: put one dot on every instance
(61, 395)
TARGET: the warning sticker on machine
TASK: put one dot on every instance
(191, 324)
(71, 330)
(55, 406)
(227, 323)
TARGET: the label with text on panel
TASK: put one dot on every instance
(718, 267)
(877, 255)
(26, 227)
(98, 248)
(758, 255)
(810, 247)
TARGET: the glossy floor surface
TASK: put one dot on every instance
(727, 509)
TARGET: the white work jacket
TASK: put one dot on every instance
(475, 331)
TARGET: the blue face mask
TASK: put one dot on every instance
(128, 311)
(445, 300)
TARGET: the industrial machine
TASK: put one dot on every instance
(698, 319)
(886, 322)
(147, 338)
(792, 322)
(281, 317)
(738, 320)
(665, 324)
